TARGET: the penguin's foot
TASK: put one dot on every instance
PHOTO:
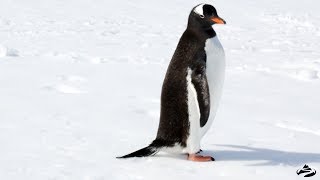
(199, 158)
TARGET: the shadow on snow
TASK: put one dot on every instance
(270, 156)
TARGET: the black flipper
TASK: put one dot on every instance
(199, 80)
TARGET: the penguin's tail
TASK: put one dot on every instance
(150, 150)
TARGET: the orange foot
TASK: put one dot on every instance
(199, 158)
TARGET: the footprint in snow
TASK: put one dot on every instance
(8, 52)
(67, 85)
(111, 31)
(64, 88)
(72, 78)
(307, 74)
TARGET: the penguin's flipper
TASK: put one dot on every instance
(199, 80)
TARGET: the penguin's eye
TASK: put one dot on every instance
(201, 16)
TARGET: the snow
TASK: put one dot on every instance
(80, 84)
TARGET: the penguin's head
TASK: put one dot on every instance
(205, 15)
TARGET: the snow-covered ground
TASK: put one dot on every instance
(80, 84)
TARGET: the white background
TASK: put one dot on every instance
(80, 84)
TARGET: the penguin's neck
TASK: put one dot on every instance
(210, 32)
(206, 32)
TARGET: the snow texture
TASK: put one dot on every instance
(80, 84)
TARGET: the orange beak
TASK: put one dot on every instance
(218, 20)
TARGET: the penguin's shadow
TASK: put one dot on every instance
(268, 156)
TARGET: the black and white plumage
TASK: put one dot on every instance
(192, 87)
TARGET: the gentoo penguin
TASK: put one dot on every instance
(191, 89)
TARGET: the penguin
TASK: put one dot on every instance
(191, 89)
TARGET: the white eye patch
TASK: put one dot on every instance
(199, 10)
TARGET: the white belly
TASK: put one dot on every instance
(193, 140)
(215, 75)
